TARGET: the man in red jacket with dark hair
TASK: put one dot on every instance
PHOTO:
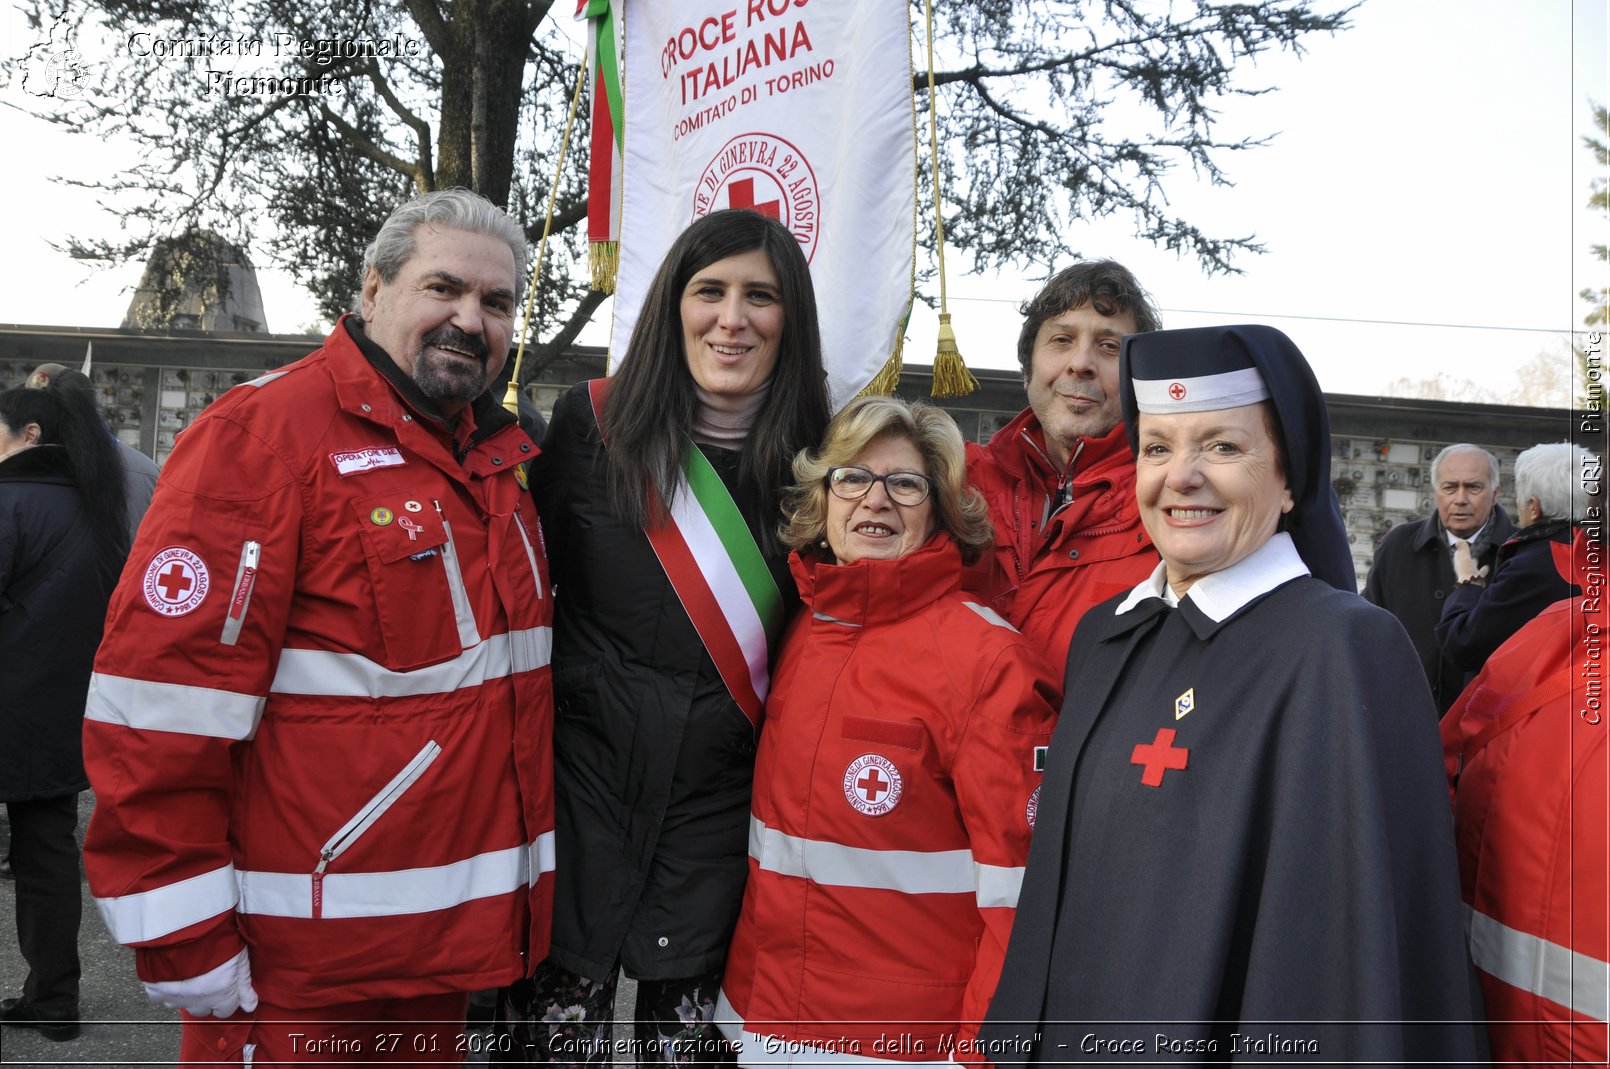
(1060, 478)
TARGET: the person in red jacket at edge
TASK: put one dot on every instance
(1060, 477)
(898, 775)
(319, 726)
(1526, 752)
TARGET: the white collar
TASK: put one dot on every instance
(1220, 595)
(1471, 537)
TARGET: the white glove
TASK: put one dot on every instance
(218, 993)
(1464, 565)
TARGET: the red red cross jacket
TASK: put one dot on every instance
(895, 790)
(1527, 743)
(319, 723)
(1047, 569)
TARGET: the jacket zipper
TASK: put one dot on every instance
(1064, 486)
(530, 554)
(468, 636)
(241, 597)
(372, 811)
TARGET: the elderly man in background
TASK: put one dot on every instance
(1413, 570)
(318, 730)
(1550, 501)
(1060, 477)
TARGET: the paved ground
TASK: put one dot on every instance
(121, 1028)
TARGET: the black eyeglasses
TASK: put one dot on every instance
(903, 487)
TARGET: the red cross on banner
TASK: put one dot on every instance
(1158, 757)
(741, 194)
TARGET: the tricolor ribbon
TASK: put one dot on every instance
(604, 169)
(710, 556)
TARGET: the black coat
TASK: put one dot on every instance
(1524, 581)
(48, 638)
(1291, 864)
(1412, 574)
(653, 760)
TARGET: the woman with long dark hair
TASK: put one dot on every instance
(63, 539)
(658, 491)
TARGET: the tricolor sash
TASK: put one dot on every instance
(718, 573)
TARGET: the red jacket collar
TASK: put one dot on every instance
(485, 444)
(878, 591)
(1019, 449)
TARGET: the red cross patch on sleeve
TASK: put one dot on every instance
(176, 581)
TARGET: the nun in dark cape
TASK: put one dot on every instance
(1242, 848)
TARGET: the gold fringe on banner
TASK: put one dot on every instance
(884, 382)
(951, 377)
(604, 261)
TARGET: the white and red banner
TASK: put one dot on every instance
(800, 109)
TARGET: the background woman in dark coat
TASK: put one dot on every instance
(63, 537)
(653, 756)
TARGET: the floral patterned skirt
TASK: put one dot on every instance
(557, 1018)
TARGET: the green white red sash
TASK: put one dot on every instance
(718, 573)
(604, 170)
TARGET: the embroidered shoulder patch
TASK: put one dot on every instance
(176, 581)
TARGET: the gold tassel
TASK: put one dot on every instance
(604, 261)
(951, 377)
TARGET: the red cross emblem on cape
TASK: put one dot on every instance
(872, 785)
(1159, 756)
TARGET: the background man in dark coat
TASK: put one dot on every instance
(1413, 568)
(1484, 610)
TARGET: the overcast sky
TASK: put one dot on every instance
(1423, 204)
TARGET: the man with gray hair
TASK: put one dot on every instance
(1551, 499)
(318, 730)
(1413, 570)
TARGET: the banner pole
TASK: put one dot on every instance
(511, 396)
